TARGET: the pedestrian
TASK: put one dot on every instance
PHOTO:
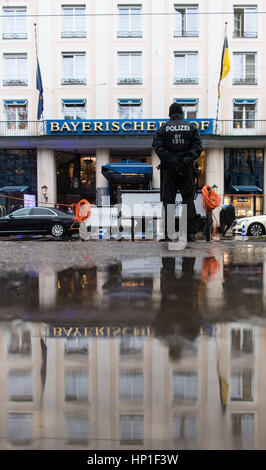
(227, 217)
(57, 206)
(70, 211)
(178, 144)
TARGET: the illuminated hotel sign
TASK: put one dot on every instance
(117, 127)
(83, 331)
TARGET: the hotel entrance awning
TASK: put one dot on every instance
(127, 172)
(247, 189)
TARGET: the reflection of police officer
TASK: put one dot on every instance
(178, 144)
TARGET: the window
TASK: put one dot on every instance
(20, 341)
(21, 213)
(14, 23)
(74, 69)
(19, 428)
(129, 21)
(73, 22)
(184, 387)
(77, 427)
(184, 427)
(244, 68)
(190, 108)
(40, 211)
(129, 68)
(74, 109)
(242, 338)
(186, 68)
(131, 346)
(245, 22)
(15, 70)
(76, 385)
(20, 385)
(242, 167)
(129, 109)
(242, 385)
(76, 346)
(131, 429)
(244, 114)
(16, 114)
(243, 430)
(131, 386)
(186, 21)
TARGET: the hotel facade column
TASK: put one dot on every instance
(215, 172)
(46, 176)
(102, 158)
(155, 161)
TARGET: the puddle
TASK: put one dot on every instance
(156, 353)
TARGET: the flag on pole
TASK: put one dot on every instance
(40, 88)
(225, 63)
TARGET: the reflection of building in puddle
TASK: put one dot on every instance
(135, 392)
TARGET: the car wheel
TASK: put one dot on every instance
(256, 229)
(57, 230)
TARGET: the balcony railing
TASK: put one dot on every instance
(240, 127)
(245, 127)
(22, 128)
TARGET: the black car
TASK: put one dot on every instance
(38, 221)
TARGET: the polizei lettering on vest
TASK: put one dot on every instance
(181, 127)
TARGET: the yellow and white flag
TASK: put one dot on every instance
(225, 64)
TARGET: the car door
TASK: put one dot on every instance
(16, 222)
(41, 219)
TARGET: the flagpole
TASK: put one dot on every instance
(218, 100)
(38, 80)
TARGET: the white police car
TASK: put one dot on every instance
(255, 226)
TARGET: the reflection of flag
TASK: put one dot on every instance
(225, 64)
(40, 88)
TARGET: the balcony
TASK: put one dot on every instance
(238, 127)
(22, 128)
(129, 81)
(73, 81)
(15, 82)
(129, 34)
(186, 81)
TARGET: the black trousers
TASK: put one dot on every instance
(171, 183)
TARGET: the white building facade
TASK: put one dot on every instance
(127, 62)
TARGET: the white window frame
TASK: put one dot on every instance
(74, 80)
(129, 33)
(244, 80)
(243, 30)
(135, 436)
(15, 34)
(186, 80)
(131, 79)
(16, 81)
(75, 33)
(13, 124)
(244, 121)
(74, 106)
(185, 32)
(130, 108)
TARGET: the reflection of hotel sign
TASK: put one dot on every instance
(59, 331)
(117, 127)
(242, 199)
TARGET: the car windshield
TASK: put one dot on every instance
(20, 213)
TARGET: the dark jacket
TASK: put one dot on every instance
(227, 215)
(176, 140)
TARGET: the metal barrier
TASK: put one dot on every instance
(239, 127)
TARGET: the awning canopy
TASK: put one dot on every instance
(15, 102)
(74, 102)
(13, 189)
(127, 171)
(247, 189)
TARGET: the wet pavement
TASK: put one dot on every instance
(126, 345)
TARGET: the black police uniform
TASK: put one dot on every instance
(178, 144)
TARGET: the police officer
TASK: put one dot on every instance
(178, 144)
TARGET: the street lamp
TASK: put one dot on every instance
(44, 192)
